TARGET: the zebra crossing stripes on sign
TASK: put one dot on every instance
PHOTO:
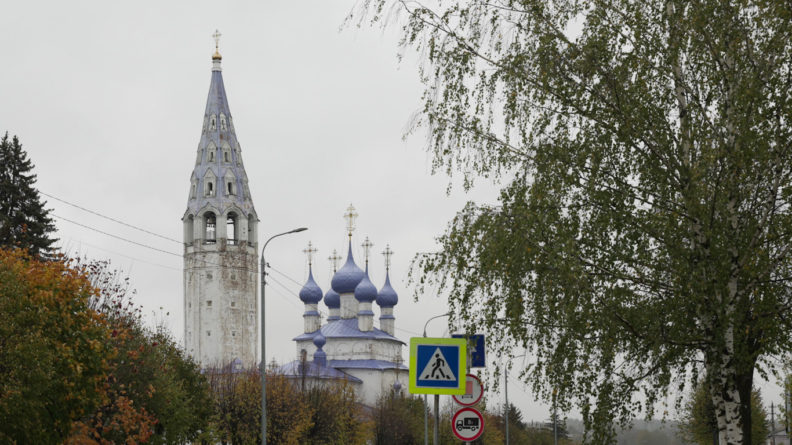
(437, 365)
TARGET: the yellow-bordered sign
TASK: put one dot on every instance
(437, 365)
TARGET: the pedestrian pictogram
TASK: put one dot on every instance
(437, 365)
(437, 368)
(467, 424)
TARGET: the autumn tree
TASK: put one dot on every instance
(399, 418)
(24, 222)
(644, 150)
(237, 406)
(153, 392)
(53, 353)
(337, 417)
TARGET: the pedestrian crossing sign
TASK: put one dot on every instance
(437, 365)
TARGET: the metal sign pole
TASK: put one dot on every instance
(437, 418)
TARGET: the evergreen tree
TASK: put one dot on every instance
(24, 222)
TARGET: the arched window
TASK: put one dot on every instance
(223, 122)
(231, 228)
(230, 188)
(209, 188)
(210, 228)
(188, 229)
(212, 123)
(211, 155)
(226, 156)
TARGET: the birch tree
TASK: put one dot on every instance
(642, 234)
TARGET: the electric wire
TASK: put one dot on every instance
(115, 236)
(110, 218)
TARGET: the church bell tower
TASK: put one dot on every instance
(220, 242)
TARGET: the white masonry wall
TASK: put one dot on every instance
(220, 303)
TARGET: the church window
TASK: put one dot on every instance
(209, 303)
(233, 333)
(192, 190)
(209, 188)
(208, 333)
(211, 155)
(230, 188)
(212, 123)
(188, 229)
(233, 304)
(223, 122)
(231, 228)
(211, 223)
(226, 156)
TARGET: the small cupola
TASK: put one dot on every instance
(311, 294)
(332, 299)
(320, 357)
(387, 298)
(365, 294)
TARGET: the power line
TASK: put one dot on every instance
(115, 236)
(287, 277)
(110, 218)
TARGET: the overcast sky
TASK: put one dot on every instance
(108, 100)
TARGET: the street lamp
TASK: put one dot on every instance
(263, 338)
(506, 396)
(436, 399)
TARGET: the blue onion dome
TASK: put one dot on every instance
(319, 340)
(332, 299)
(365, 291)
(347, 278)
(387, 297)
(311, 293)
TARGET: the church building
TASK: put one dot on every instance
(349, 347)
(221, 320)
(220, 242)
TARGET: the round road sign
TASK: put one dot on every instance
(467, 424)
(473, 391)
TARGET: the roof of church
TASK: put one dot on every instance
(366, 364)
(347, 328)
(314, 370)
(218, 131)
(311, 293)
(387, 297)
(365, 291)
(347, 278)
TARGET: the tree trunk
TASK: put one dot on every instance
(726, 394)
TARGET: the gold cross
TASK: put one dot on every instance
(350, 216)
(367, 245)
(310, 251)
(335, 258)
(216, 36)
(388, 253)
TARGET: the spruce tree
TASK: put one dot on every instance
(24, 222)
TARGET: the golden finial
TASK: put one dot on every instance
(216, 55)
(367, 245)
(335, 258)
(350, 216)
(388, 253)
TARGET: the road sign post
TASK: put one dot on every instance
(437, 365)
(476, 348)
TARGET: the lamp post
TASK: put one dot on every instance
(506, 396)
(263, 337)
(436, 398)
